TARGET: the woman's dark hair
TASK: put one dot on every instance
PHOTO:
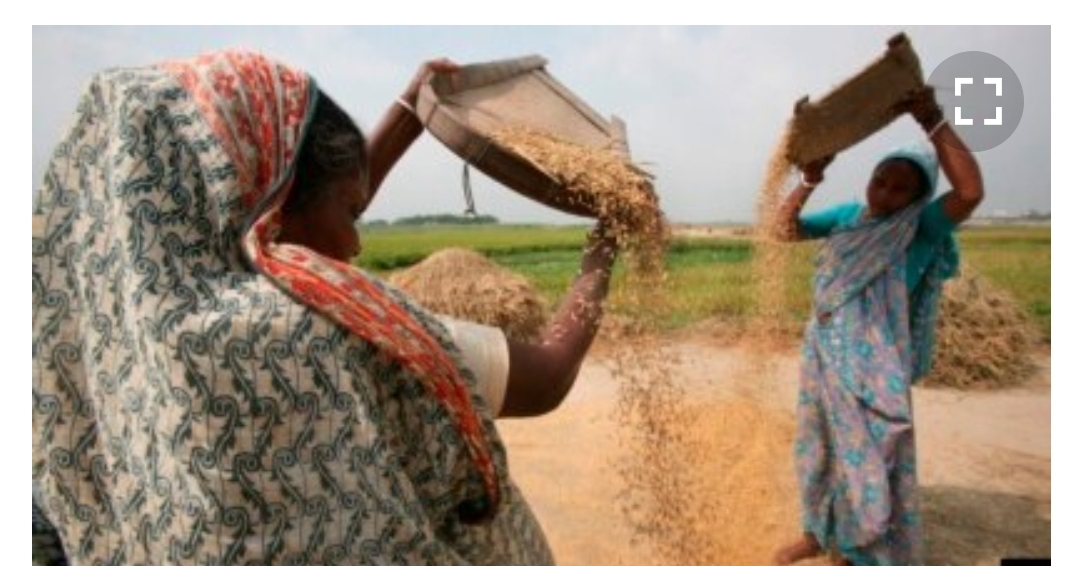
(332, 148)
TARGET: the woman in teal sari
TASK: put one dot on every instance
(870, 337)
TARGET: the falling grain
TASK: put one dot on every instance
(620, 194)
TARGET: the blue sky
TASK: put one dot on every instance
(703, 105)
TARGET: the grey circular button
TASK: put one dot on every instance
(981, 96)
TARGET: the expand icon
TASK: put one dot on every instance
(982, 97)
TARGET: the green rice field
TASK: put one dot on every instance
(709, 277)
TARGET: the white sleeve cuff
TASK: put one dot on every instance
(486, 354)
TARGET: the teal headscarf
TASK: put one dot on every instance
(922, 157)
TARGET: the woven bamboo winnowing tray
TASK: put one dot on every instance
(857, 108)
(461, 109)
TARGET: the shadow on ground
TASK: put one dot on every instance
(965, 527)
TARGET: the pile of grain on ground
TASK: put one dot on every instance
(621, 195)
(749, 477)
(704, 483)
(464, 284)
(984, 338)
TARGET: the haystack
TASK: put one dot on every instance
(984, 338)
(464, 284)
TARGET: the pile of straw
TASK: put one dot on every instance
(984, 338)
(464, 284)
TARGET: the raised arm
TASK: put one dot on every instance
(812, 175)
(956, 159)
(399, 126)
(541, 374)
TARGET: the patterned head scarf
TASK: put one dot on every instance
(171, 370)
(258, 109)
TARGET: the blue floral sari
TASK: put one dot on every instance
(869, 339)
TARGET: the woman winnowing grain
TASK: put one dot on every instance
(214, 382)
(878, 279)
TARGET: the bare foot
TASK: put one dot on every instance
(805, 547)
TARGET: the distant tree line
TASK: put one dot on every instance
(437, 219)
(1036, 215)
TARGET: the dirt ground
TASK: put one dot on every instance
(984, 463)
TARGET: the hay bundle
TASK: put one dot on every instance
(984, 338)
(464, 284)
(619, 193)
